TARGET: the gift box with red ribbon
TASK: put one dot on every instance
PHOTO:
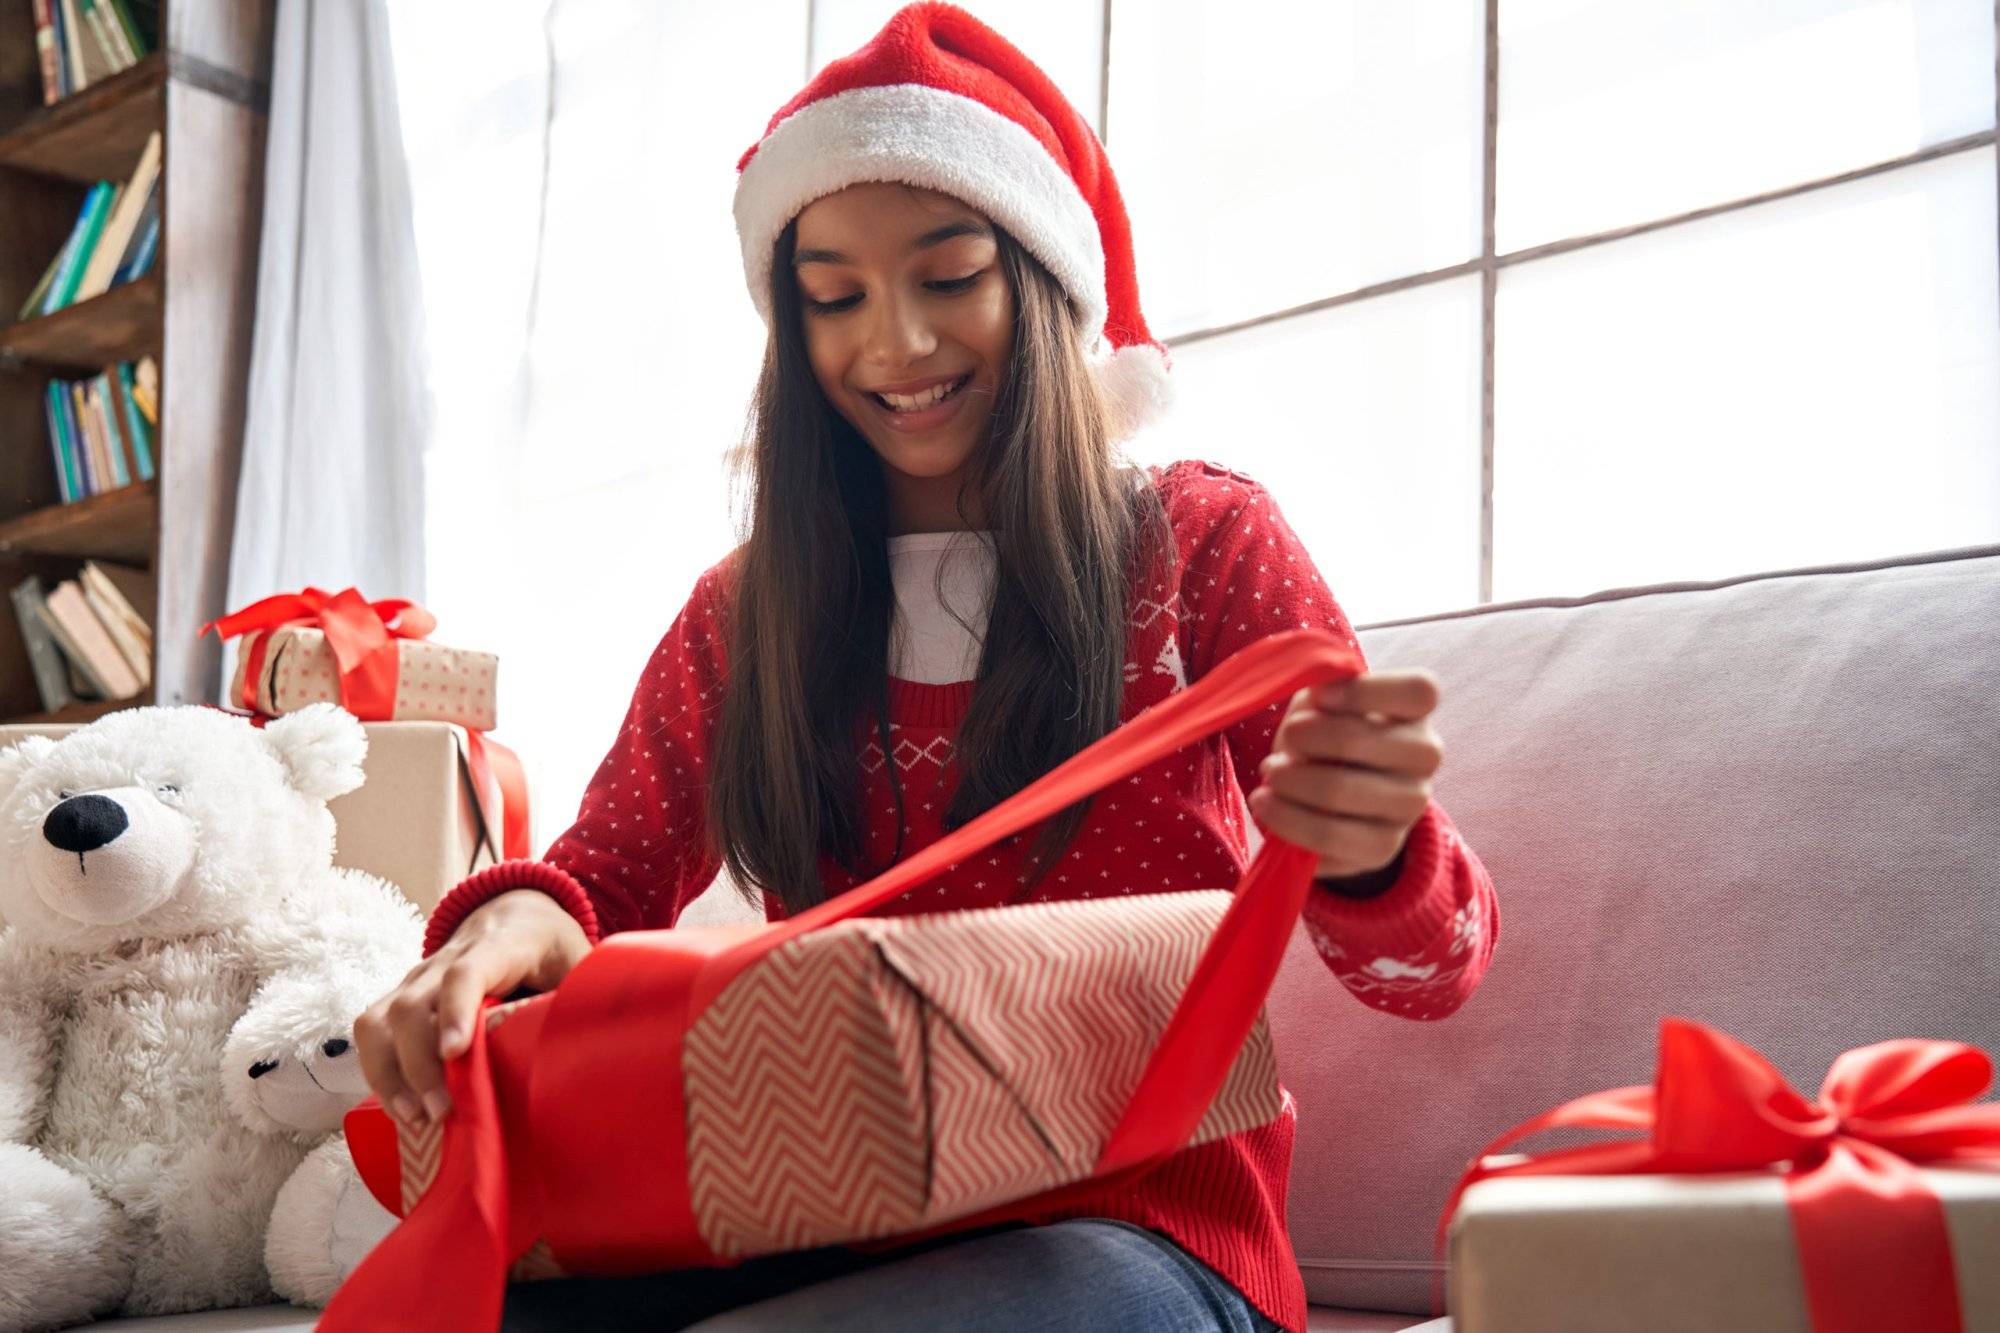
(692, 1097)
(375, 659)
(371, 657)
(1747, 1206)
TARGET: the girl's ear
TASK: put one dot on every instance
(321, 747)
(17, 760)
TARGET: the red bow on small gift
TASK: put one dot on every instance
(1871, 1235)
(362, 636)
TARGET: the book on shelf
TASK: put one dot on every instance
(87, 644)
(123, 223)
(111, 591)
(114, 240)
(50, 667)
(91, 637)
(101, 430)
(79, 42)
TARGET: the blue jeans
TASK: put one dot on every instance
(1089, 1273)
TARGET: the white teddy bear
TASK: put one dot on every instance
(166, 874)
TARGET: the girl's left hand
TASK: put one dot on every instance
(1349, 769)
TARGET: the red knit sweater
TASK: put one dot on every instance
(637, 853)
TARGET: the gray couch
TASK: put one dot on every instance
(1771, 805)
(1768, 804)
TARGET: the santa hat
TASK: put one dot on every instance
(939, 100)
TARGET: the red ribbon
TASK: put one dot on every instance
(1871, 1235)
(576, 1129)
(363, 638)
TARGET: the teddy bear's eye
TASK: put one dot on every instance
(168, 789)
(64, 794)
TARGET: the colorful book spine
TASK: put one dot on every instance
(79, 420)
(138, 256)
(136, 423)
(111, 429)
(65, 482)
(135, 38)
(46, 54)
(72, 44)
(96, 206)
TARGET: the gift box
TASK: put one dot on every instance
(296, 666)
(1668, 1253)
(805, 1078)
(419, 819)
(1747, 1205)
(375, 660)
(697, 1096)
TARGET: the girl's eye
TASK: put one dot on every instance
(830, 307)
(956, 284)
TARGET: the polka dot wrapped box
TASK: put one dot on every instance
(433, 683)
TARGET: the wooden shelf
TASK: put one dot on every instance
(122, 324)
(93, 135)
(120, 525)
(81, 711)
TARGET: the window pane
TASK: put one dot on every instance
(1809, 381)
(1277, 153)
(1363, 421)
(1614, 113)
(1065, 38)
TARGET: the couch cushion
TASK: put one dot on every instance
(1767, 805)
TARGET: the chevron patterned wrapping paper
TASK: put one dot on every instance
(884, 1075)
(888, 1074)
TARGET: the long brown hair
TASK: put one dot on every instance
(812, 600)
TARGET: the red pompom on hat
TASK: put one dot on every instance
(937, 99)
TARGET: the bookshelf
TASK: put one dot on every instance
(206, 92)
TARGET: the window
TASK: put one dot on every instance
(1500, 301)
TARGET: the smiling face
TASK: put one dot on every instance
(908, 323)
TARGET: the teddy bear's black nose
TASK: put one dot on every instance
(84, 823)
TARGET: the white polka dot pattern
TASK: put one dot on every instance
(639, 843)
(433, 684)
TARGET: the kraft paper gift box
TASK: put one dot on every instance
(415, 821)
(911, 1021)
(433, 683)
(1662, 1253)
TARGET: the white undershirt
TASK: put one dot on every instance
(926, 643)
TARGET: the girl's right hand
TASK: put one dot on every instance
(519, 938)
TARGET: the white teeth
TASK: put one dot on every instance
(931, 397)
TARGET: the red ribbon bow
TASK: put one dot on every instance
(362, 635)
(1871, 1235)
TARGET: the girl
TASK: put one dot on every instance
(950, 585)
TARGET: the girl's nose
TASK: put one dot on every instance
(899, 334)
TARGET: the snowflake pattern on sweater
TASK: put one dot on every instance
(638, 851)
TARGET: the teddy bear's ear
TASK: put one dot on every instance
(321, 747)
(16, 760)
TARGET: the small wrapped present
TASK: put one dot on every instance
(693, 1097)
(1749, 1208)
(375, 660)
(433, 683)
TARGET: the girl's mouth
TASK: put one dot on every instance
(933, 410)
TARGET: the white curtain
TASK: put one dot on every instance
(331, 490)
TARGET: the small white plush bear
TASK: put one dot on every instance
(290, 1068)
(155, 869)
